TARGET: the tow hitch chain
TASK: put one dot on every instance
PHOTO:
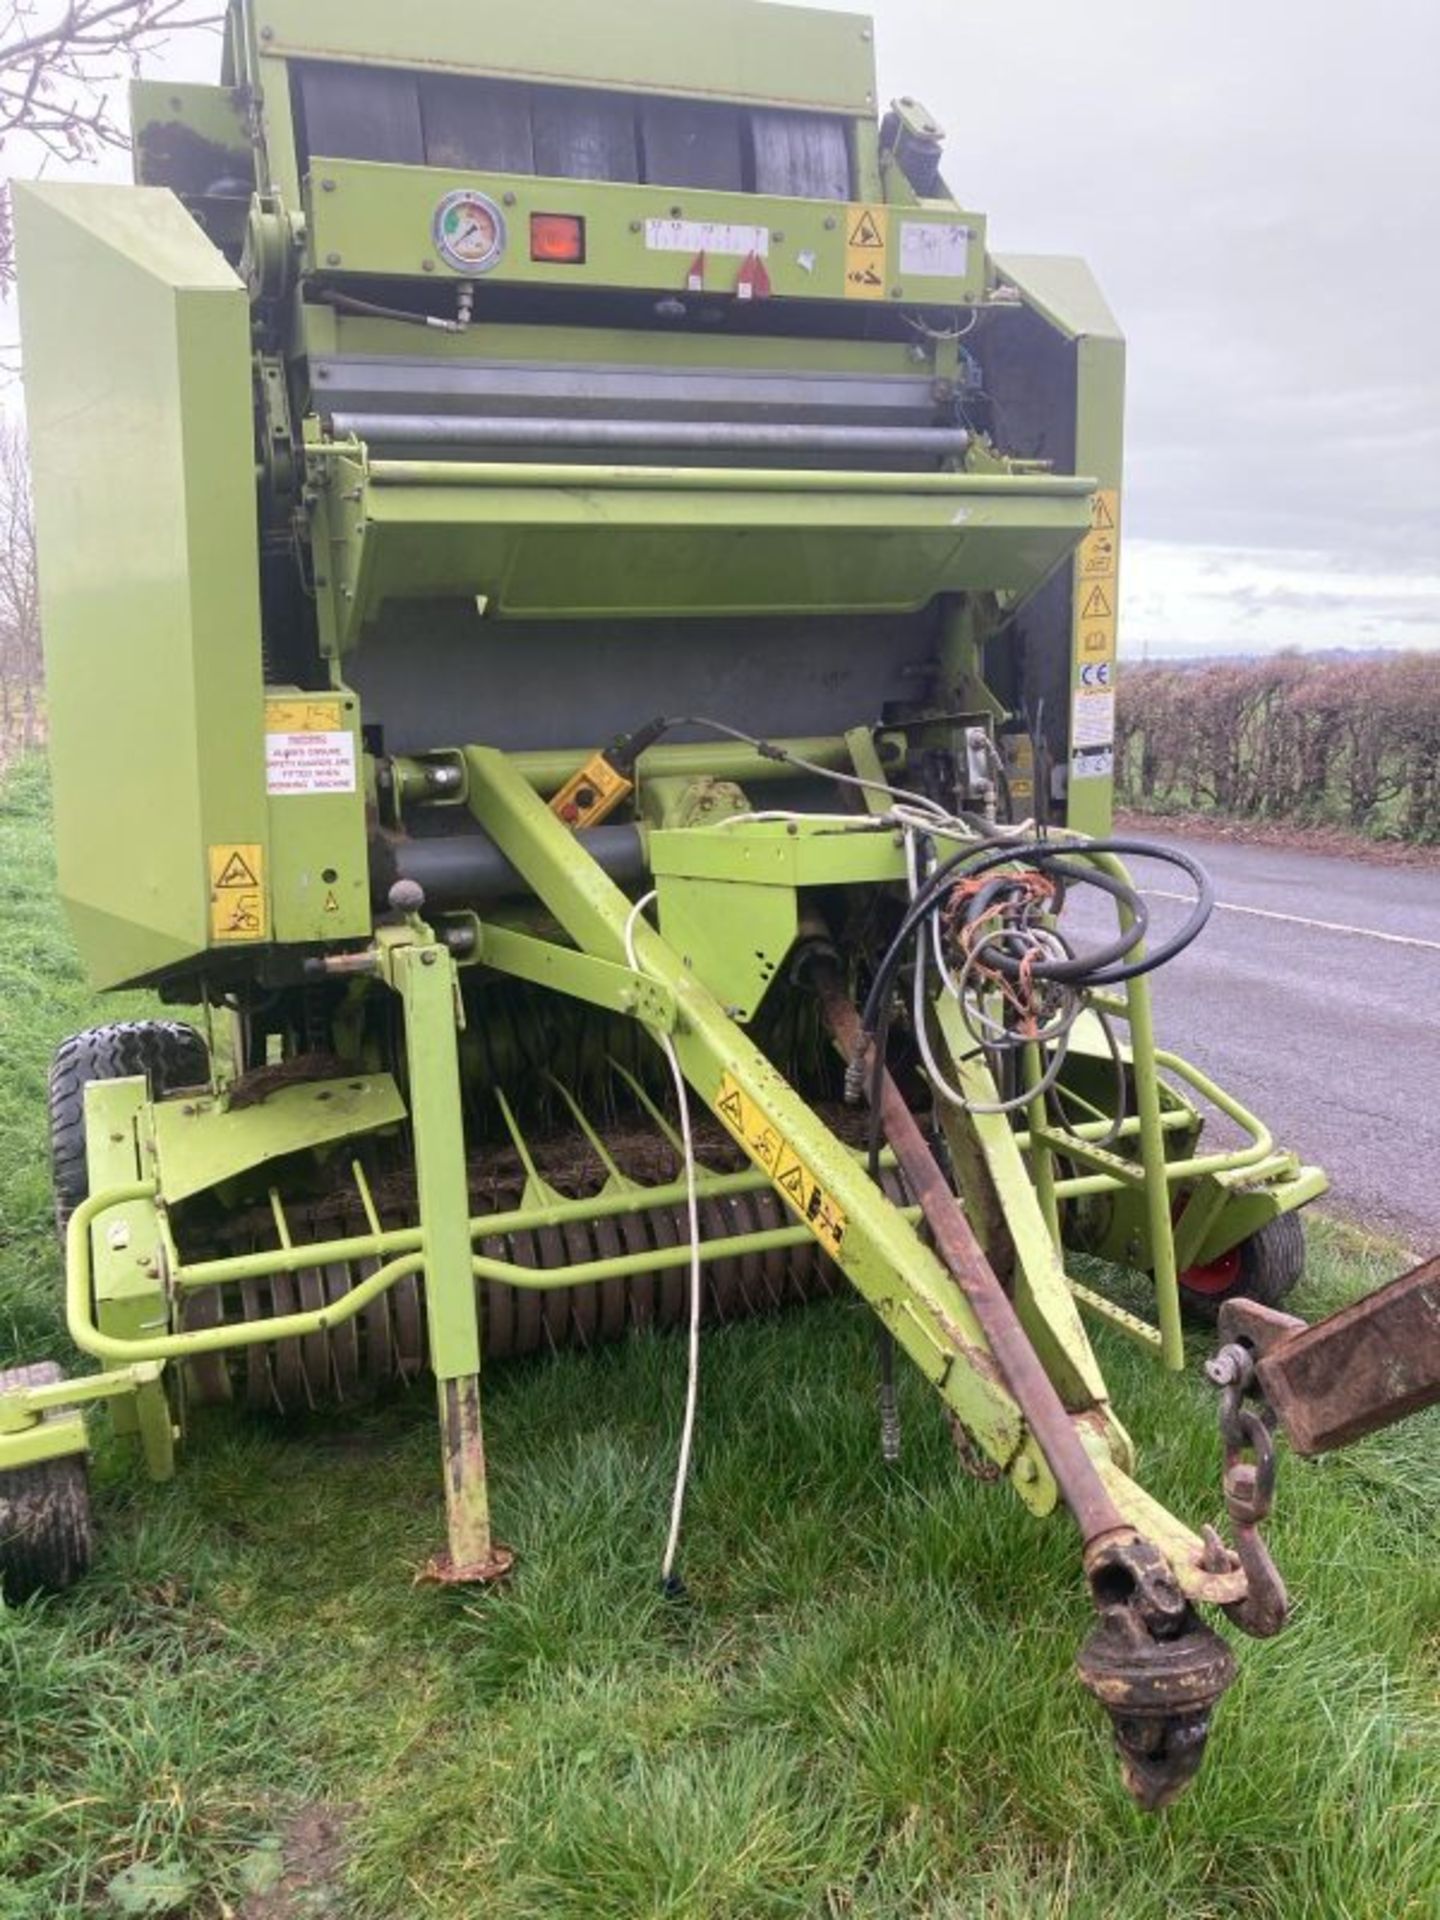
(1249, 1483)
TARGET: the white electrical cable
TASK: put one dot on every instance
(845, 822)
(692, 1208)
(918, 1010)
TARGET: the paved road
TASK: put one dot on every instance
(1314, 996)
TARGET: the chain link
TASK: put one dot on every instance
(1249, 1483)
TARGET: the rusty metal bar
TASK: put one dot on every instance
(1369, 1365)
(1096, 1514)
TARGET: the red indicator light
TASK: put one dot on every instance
(557, 237)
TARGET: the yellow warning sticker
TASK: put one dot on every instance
(773, 1154)
(237, 892)
(303, 716)
(1092, 713)
(866, 234)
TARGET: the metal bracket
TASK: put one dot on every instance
(34, 1441)
(602, 982)
(278, 435)
(46, 1422)
(22, 1407)
(1365, 1367)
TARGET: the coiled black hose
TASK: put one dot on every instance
(1109, 965)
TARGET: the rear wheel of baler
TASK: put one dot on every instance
(45, 1533)
(1264, 1267)
(169, 1054)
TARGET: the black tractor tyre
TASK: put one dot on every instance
(45, 1533)
(168, 1053)
(1264, 1268)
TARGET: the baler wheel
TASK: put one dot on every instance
(168, 1053)
(45, 1533)
(1263, 1268)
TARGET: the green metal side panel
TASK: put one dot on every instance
(1064, 292)
(125, 1247)
(137, 376)
(721, 49)
(188, 136)
(319, 877)
(204, 1142)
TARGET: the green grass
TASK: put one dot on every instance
(865, 1709)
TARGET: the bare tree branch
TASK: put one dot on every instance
(59, 60)
(21, 671)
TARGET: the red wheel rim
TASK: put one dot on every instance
(1215, 1276)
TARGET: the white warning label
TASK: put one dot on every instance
(310, 762)
(1092, 763)
(705, 236)
(1094, 718)
(931, 249)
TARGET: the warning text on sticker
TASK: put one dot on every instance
(309, 763)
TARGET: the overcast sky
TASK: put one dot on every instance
(1257, 188)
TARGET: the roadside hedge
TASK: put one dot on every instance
(1350, 742)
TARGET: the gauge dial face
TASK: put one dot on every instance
(469, 231)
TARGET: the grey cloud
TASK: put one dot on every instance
(1258, 189)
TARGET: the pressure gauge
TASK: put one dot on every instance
(469, 231)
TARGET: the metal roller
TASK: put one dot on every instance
(259, 1382)
(612, 1305)
(440, 430)
(498, 1310)
(377, 1333)
(584, 1301)
(207, 1381)
(345, 1337)
(386, 1344)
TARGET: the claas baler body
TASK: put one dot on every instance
(580, 607)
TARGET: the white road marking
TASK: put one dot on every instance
(1299, 920)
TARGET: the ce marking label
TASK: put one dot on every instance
(1095, 673)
